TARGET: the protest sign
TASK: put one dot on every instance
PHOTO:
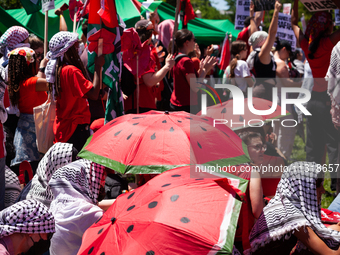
(314, 6)
(264, 5)
(287, 8)
(337, 17)
(285, 31)
(242, 12)
(47, 5)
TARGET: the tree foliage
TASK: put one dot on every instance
(10, 4)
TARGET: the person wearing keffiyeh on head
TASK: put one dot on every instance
(293, 216)
(26, 91)
(76, 191)
(14, 37)
(25, 227)
(57, 156)
(317, 43)
(70, 85)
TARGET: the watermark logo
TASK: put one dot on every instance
(208, 92)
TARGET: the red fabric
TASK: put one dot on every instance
(106, 13)
(71, 109)
(28, 97)
(320, 63)
(244, 36)
(197, 63)
(157, 89)
(73, 4)
(182, 94)
(108, 40)
(97, 124)
(94, 17)
(328, 216)
(225, 55)
(189, 12)
(6, 99)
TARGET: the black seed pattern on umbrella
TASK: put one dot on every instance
(113, 220)
(166, 185)
(153, 204)
(113, 122)
(134, 118)
(179, 121)
(224, 110)
(153, 137)
(99, 232)
(199, 179)
(241, 118)
(99, 219)
(172, 129)
(268, 106)
(164, 121)
(199, 145)
(130, 228)
(131, 195)
(131, 207)
(203, 128)
(129, 137)
(173, 198)
(91, 250)
(225, 133)
(135, 123)
(189, 118)
(150, 253)
(185, 220)
(118, 133)
(205, 119)
(103, 253)
(176, 175)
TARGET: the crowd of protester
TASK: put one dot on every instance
(49, 211)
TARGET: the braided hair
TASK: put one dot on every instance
(71, 57)
(236, 48)
(18, 71)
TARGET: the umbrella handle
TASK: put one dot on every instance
(137, 85)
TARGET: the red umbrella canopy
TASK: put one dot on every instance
(171, 214)
(225, 112)
(154, 142)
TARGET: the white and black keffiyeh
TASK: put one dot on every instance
(294, 205)
(28, 216)
(58, 45)
(59, 155)
(77, 180)
(12, 187)
(13, 38)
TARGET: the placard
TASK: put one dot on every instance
(264, 5)
(285, 31)
(286, 8)
(47, 5)
(242, 12)
(314, 6)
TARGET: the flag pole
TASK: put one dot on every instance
(137, 85)
(74, 20)
(46, 33)
(176, 26)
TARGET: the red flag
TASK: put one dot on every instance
(73, 4)
(225, 54)
(104, 10)
(189, 12)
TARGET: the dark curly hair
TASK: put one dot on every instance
(71, 57)
(18, 71)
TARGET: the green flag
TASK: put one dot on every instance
(111, 71)
(31, 6)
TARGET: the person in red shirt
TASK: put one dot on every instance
(150, 77)
(71, 87)
(317, 43)
(26, 91)
(184, 95)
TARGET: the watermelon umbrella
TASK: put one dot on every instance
(224, 112)
(171, 214)
(154, 142)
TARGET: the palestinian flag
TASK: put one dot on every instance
(31, 6)
(113, 25)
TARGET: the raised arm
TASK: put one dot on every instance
(151, 79)
(294, 20)
(253, 26)
(264, 54)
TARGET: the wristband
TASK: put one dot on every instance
(42, 69)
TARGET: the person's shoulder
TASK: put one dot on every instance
(242, 63)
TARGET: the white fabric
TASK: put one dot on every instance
(72, 218)
(241, 71)
(333, 73)
(58, 45)
(57, 156)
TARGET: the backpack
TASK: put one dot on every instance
(127, 83)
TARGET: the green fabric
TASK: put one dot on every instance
(110, 74)
(30, 7)
(128, 12)
(35, 22)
